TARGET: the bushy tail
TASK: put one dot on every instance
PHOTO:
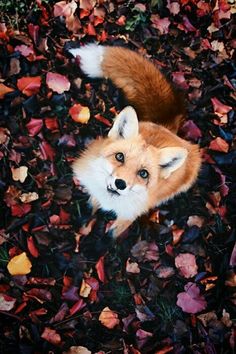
(145, 87)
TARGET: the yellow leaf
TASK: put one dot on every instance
(19, 265)
(19, 174)
(85, 289)
(109, 318)
(79, 113)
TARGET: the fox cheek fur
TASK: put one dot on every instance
(140, 164)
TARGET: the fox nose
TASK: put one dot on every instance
(120, 184)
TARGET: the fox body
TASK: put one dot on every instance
(141, 163)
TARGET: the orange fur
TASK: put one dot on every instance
(145, 87)
(161, 111)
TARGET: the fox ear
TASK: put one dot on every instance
(171, 158)
(125, 124)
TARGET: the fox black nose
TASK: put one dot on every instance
(120, 184)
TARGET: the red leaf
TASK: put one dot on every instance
(77, 306)
(179, 79)
(219, 144)
(47, 151)
(31, 247)
(91, 30)
(219, 107)
(20, 210)
(79, 113)
(57, 82)
(34, 126)
(51, 123)
(29, 85)
(103, 120)
(33, 32)
(100, 269)
(191, 301)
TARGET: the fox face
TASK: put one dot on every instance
(126, 173)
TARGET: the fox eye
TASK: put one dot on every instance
(143, 174)
(120, 157)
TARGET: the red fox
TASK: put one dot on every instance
(139, 164)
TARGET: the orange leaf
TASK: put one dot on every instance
(4, 90)
(79, 113)
(19, 265)
(109, 318)
(29, 85)
(85, 289)
(100, 269)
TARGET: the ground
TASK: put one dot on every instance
(167, 285)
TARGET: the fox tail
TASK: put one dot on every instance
(145, 87)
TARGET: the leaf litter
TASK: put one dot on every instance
(168, 284)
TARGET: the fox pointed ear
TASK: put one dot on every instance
(125, 124)
(171, 158)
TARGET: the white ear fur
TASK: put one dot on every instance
(125, 124)
(171, 158)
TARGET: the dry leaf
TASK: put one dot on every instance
(6, 302)
(191, 301)
(79, 113)
(28, 197)
(20, 173)
(19, 265)
(51, 336)
(109, 318)
(78, 350)
(132, 267)
(57, 82)
(186, 263)
(4, 90)
(85, 289)
(29, 85)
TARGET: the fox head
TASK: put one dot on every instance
(136, 167)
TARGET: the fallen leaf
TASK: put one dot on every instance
(162, 24)
(34, 126)
(57, 82)
(6, 302)
(219, 144)
(191, 301)
(207, 317)
(195, 220)
(186, 263)
(29, 85)
(78, 350)
(174, 7)
(51, 336)
(100, 269)
(219, 107)
(24, 50)
(19, 265)
(20, 173)
(85, 289)
(28, 197)
(132, 267)
(4, 90)
(79, 113)
(109, 318)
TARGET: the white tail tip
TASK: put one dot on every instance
(91, 56)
